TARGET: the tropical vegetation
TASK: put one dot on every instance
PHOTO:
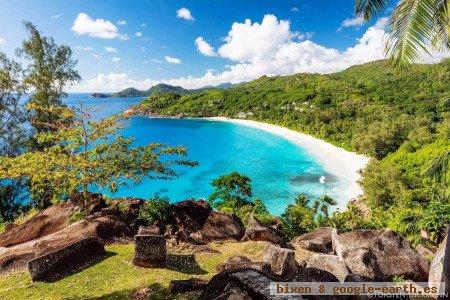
(401, 119)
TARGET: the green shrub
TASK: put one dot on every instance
(298, 218)
(2, 225)
(435, 218)
(77, 216)
(155, 209)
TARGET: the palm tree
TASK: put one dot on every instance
(322, 204)
(414, 26)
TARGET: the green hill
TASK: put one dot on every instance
(402, 119)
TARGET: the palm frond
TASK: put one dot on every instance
(439, 167)
(411, 25)
(441, 32)
(369, 8)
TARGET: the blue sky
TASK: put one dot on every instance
(149, 43)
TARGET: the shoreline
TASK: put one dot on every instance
(343, 164)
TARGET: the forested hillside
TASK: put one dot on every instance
(402, 119)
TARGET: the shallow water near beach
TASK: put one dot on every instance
(279, 169)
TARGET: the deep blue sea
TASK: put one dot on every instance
(278, 168)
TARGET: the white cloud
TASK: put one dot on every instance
(269, 48)
(155, 60)
(184, 13)
(55, 16)
(142, 49)
(352, 22)
(2, 41)
(88, 48)
(122, 23)
(94, 55)
(204, 48)
(295, 9)
(111, 49)
(123, 37)
(116, 59)
(143, 25)
(138, 34)
(253, 41)
(99, 28)
(172, 60)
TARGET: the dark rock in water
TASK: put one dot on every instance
(150, 251)
(242, 262)
(72, 258)
(45, 222)
(318, 240)
(380, 255)
(281, 260)
(221, 226)
(329, 263)
(185, 286)
(312, 178)
(238, 284)
(257, 231)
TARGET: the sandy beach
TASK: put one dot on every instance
(343, 164)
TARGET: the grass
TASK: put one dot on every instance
(116, 278)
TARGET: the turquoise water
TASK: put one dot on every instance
(278, 168)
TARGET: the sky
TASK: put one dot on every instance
(196, 43)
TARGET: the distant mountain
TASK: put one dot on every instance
(164, 88)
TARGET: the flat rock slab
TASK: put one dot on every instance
(281, 260)
(318, 240)
(329, 263)
(72, 258)
(150, 251)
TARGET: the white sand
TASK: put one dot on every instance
(340, 163)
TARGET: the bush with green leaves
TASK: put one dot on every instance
(298, 218)
(155, 209)
(435, 217)
(77, 216)
(232, 194)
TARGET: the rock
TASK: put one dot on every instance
(222, 226)
(108, 229)
(185, 286)
(314, 275)
(281, 260)
(380, 255)
(257, 231)
(110, 211)
(45, 222)
(242, 262)
(440, 265)
(129, 211)
(150, 251)
(95, 204)
(329, 263)
(356, 278)
(190, 215)
(71, 258)
(152, 230)
(318, 240)
(238, 284)
(425, 252)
